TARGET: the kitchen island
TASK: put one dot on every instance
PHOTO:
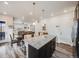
(41, 47)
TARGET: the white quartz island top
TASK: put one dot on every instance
(38, 42)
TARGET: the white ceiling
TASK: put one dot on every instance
(23, 8)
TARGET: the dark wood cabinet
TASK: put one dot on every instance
(45, 51)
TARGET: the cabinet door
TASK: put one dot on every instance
(32, 52)
(49, 50)
(43, 52)
(46, 51)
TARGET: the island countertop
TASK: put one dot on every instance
(38, 42)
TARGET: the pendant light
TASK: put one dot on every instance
(34, 13)
(44, 21)
(42, 14)
(43, 11)
(34, 10)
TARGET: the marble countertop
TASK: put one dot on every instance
(38, 42)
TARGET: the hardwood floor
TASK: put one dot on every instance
(66, 47)
(63, 51)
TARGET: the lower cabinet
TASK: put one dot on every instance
(45, 51)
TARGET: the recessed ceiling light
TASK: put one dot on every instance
(65, 11)
(4, 13)
(30, 13)
(34, 24)
(6, 3)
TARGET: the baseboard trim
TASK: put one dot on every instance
(71, 44)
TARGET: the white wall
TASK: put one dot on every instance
(63, 32)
